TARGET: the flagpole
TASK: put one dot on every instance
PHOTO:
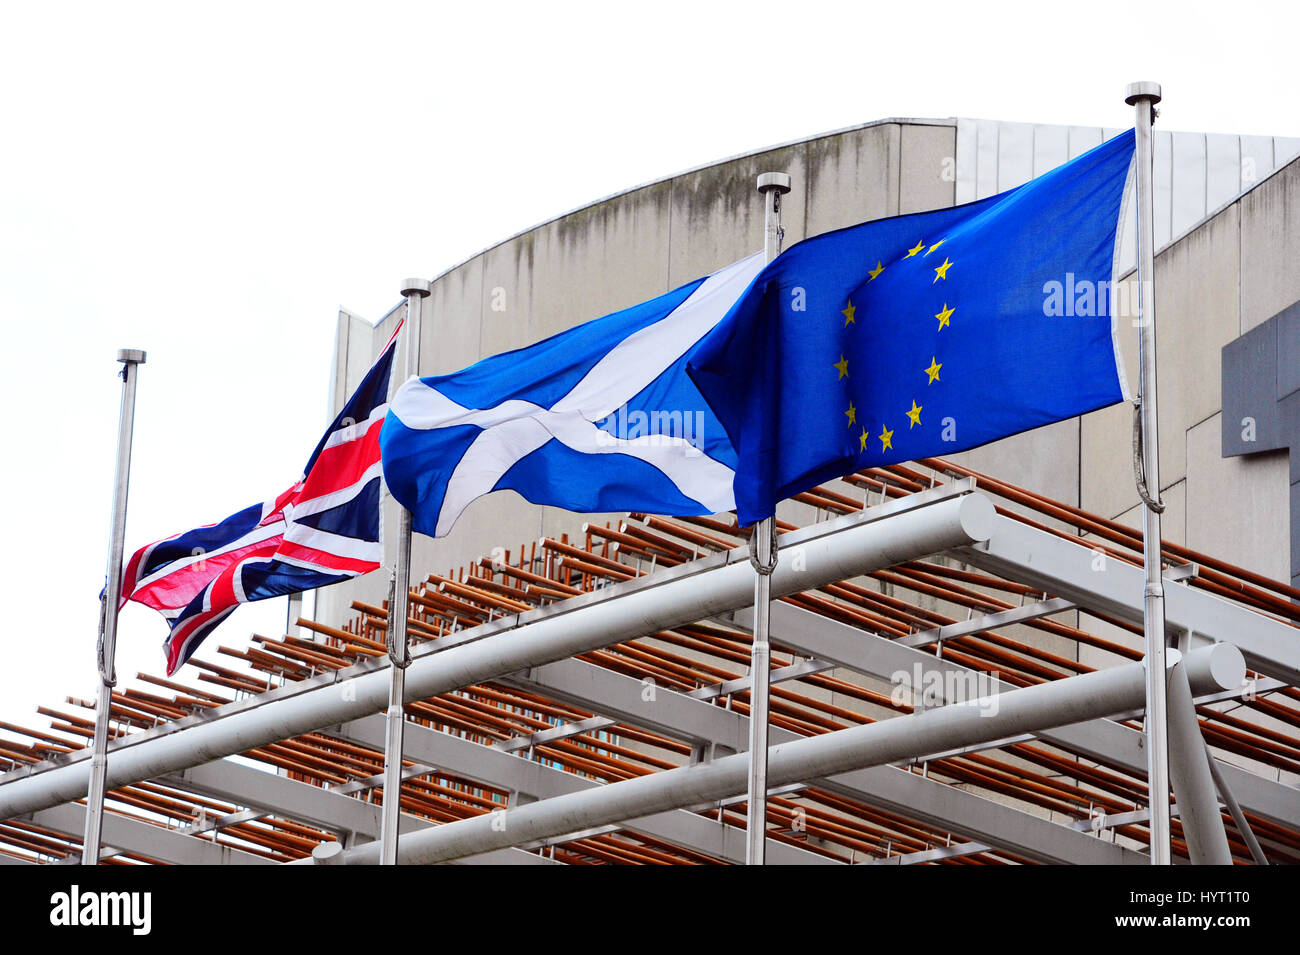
(292, 614)
(1144, 97)
(415, 291)
(107, 644)
(762, 553)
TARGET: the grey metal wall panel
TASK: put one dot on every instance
(1015, 155)
(1083, 138)
(1261, 402)
(1162, 161)
(986, 156)
(1288, 352)
(1256, 159)
(1222, 169)
(966, 157)
(1051, 147)
(1187, 183)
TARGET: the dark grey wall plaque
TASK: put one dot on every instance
(1261, 402)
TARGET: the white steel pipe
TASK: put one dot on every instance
(772, 185)
(672, 597)
(1189, 772)
(1238, 817)
(415, 290)
(1143, 98)
(131, 359)
(1044, 706)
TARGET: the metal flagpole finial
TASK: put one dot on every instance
(778, 181)
(1144, 89)
(131, 356)
(418, 287)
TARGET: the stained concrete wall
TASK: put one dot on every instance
(1224, 276)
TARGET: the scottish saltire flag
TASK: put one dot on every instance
(601, 417)
(323, 529)
(922, 334)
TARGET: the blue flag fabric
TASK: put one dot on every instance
(602, 417)
(922, 334)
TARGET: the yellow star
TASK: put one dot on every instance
(862, 441)
(876, 271)
(853, 415)
(843, 366)
(914, 416)
(920, 244)
(944, 316)
(933, 371)
(848, 314)
(942, 271)
(886, 439)
(933, 247)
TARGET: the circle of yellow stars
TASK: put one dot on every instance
(944, 316)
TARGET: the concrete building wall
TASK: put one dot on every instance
(1219, 279)
(1224, 277)
(620, 251)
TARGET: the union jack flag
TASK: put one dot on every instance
(324, 529)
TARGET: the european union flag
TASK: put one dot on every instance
(921, 334)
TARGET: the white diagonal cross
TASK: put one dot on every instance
(515, 428)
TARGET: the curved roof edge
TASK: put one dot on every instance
(900, 120)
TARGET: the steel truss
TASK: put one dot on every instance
(551, 641)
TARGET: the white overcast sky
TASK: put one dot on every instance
(210, 182)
